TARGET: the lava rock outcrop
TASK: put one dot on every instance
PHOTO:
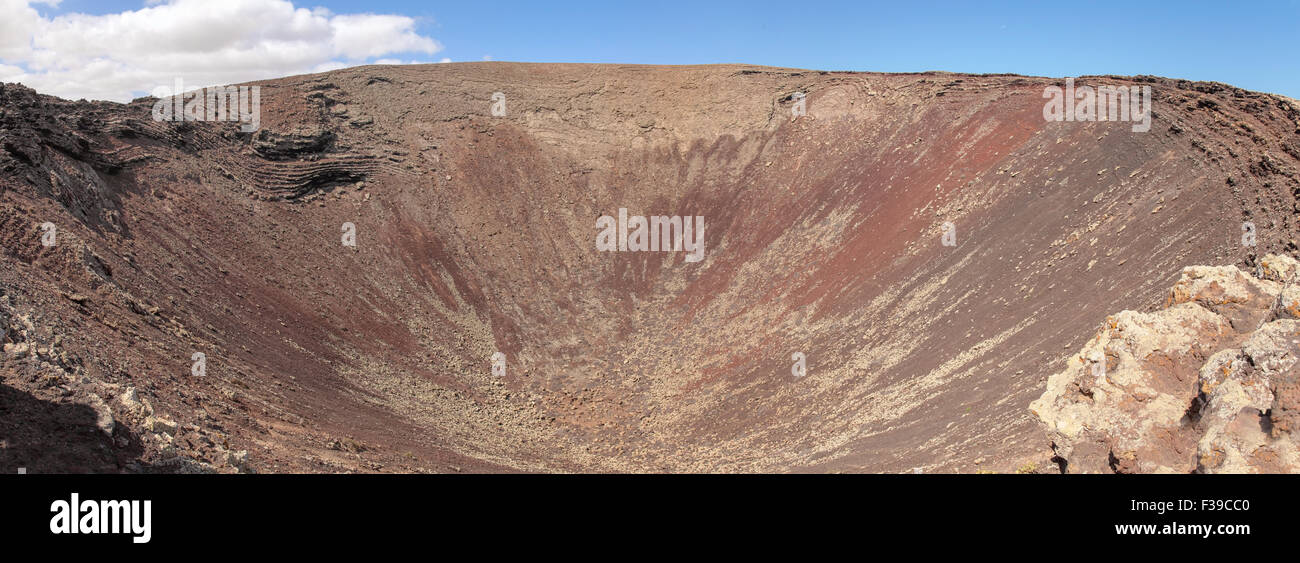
(1208, 384)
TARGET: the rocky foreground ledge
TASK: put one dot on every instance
(1208, 384)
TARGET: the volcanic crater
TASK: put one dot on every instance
(476, 234)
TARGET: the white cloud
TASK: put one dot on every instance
(118, 56)
(9, 73)
(17, 21)
(401, 62)
(369, 35)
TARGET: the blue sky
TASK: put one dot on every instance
(1253, 45)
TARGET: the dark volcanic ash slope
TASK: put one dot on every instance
(476, 234)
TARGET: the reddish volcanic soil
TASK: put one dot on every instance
(477, 234)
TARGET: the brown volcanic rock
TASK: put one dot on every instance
(1189, 388)
(476, 235)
